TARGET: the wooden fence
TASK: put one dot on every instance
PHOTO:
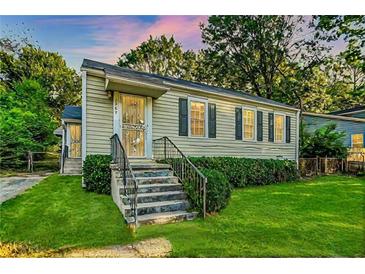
(326, 165)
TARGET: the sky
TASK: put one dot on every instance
(102, 38)
(105, 38)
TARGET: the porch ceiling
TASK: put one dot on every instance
(134, 87)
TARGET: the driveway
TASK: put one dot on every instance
(13, 186)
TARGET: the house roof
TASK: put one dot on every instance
(165, 80)
(350, 110)
(72, 112)
(58, 131)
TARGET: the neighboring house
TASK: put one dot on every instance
(351, 121)
(71, 140)
(200, 120)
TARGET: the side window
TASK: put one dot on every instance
(249, 124)
(357, 140)
(279, 128)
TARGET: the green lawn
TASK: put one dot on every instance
(59, 213)
(318, 218)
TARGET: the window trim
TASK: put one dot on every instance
(254, 109)
(201, 100)
(284, 127)
(352, 141)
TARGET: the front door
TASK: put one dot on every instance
(133, 125)
(75, 141)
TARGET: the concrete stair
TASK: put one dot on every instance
(73, 166)
(160, 196)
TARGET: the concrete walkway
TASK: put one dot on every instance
(10, 187)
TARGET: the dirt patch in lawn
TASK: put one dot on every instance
(151, 248)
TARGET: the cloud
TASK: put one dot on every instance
(109, 36)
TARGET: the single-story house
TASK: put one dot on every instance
(350, 121)
(198, 119)
(201, 120)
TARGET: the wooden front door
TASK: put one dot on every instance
(75, 141)
(133, 125)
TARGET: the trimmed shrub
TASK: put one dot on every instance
(97, 174)
(242, 172)
(218, 191)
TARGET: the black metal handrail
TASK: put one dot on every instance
(164, 149)
(64, 156)
(130, 186)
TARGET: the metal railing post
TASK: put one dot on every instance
(204, 197)
(165, 149)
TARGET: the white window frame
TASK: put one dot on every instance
(284, 127)
(254, 109)
(352, 143)
(201, 100)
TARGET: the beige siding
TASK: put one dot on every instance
(99, 117)
(99, 125)
(165, 123)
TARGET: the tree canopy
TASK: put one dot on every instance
(284, 58)
(163, 56)
(19, 61)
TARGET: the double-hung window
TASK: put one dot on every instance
(198, 114)
(279, 128)
(357, 140)
(249, 121)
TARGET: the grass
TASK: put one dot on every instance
(320, 218)
(58, 213)
(323, 217)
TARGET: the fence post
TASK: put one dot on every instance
(317, 165)
(325, 165)
(30, 161)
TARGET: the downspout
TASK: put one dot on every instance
(298, 137)
(83, 121)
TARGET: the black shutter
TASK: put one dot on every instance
(211, 120)
(287, 127)
(259, 126)
(271, 127)
(238, 114)
(183, 117)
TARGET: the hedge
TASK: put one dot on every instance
(218, 191)
(242, 172)
(97, 174)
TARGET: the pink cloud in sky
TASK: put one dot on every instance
(113, 35)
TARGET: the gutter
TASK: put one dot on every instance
(230, 96)
(331, 116)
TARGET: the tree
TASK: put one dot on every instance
(256, 53)
(323, 142)
(163, 56)
(22, 60)
(26, 122)
(350, 66)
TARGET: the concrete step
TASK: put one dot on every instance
(158, 207)
(157, 197)
(166, 217)
(157, 180)
(148, 165)
(152, 188)
(153, 172)
(72, 172)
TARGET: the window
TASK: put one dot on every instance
(279, 128)
(357, 140)
(248, 124)
(198, 117)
